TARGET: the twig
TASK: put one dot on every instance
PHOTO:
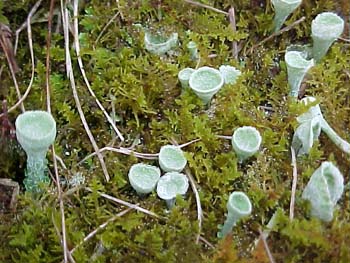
(294, 184)
(30, 41)
(119, 10)
(206, 6)
(224, 137)
(344, 39)
(267, 249)
(128, 151)
(81, 66)
(232, 18)
(70, 75)
(107, 25)
(100, 227)
(285, 29)
(196, 194)
(6, 45)
(122, 202)
(48, 46)
(25, 24)
(66, 253)
(198, 202)
(206, 242)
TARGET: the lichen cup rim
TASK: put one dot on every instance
(306, 64)
(231, 205)
(136, 185)
(23, 134)
(250, 128)
(333, 31)
(165, 166)
(168, 40)
(286, 1)
(166, 179)
(206, 68)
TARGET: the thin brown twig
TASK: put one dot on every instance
(267, 249)
(224, 137)
(30, 41)
(6, 45)
(25, 23)
(344, 39)
(128, 151)
(69, 69)
(106, 26)
(100, 227)
(206, 6)
(196, 194)
(81, 66)
(294, 184)
(232, 18)
(285, 29)
(66, 253)
(206, 242)
(125, 203)
(198, 202)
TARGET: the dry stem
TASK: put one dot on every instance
(294, 184)
(207, 7)
(232, 18)
(122, 202)
(81, 66)
(100, 227)
(65, 19)
(285, 29)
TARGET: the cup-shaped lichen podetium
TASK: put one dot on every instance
(35, 131)
(246, 142)
(297, 66)
(193, 50)
(171, 158)
(238, 206)
(229, 73)
(283, 8)
(206, 82)
(325, 28)
(159, 44)
(170, 185)
(184, 77)
(143, 178)
(323, 190)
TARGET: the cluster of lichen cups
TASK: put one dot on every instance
(325, 186)
(145, 178)
(326, 28)
(207, 81)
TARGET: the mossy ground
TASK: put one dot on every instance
(151, 111)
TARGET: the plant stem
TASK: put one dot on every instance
(342, 144)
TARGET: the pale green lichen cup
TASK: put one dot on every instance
(170, 185)
(246, 142)
(323, 190)
(184, 76)
(35, 131)
(171, 158)
(283, 8)
(159, 44)
(297, 67)
(229, 73)
(238, 206)
(206, 82)
(325, 28)
(143, 178)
